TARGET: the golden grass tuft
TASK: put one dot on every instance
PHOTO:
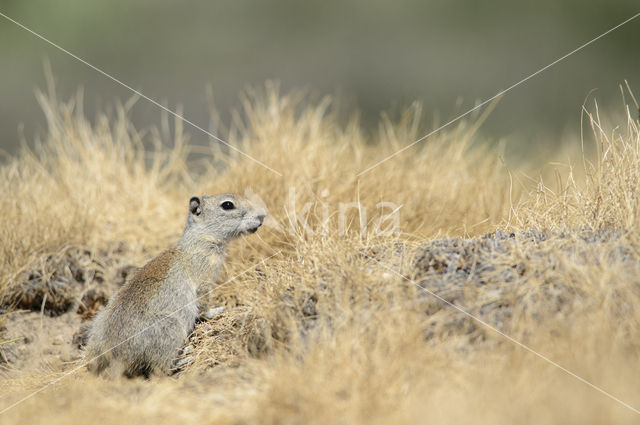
(327, 330)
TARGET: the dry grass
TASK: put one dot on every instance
(323, 332)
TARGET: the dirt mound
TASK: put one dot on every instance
(501, 275)
(503, 279)
(497, 277)
(43, 319)
(74, 279)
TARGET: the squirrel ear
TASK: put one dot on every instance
(194, 206)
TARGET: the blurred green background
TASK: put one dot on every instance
(376, 54)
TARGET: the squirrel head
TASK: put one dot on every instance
(222, 218)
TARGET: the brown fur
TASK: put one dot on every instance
(149, 278)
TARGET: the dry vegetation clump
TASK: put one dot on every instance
(328, 314)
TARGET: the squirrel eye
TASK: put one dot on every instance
(227, 205)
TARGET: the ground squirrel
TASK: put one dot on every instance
(146, 322)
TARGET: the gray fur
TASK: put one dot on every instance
(148, 320)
